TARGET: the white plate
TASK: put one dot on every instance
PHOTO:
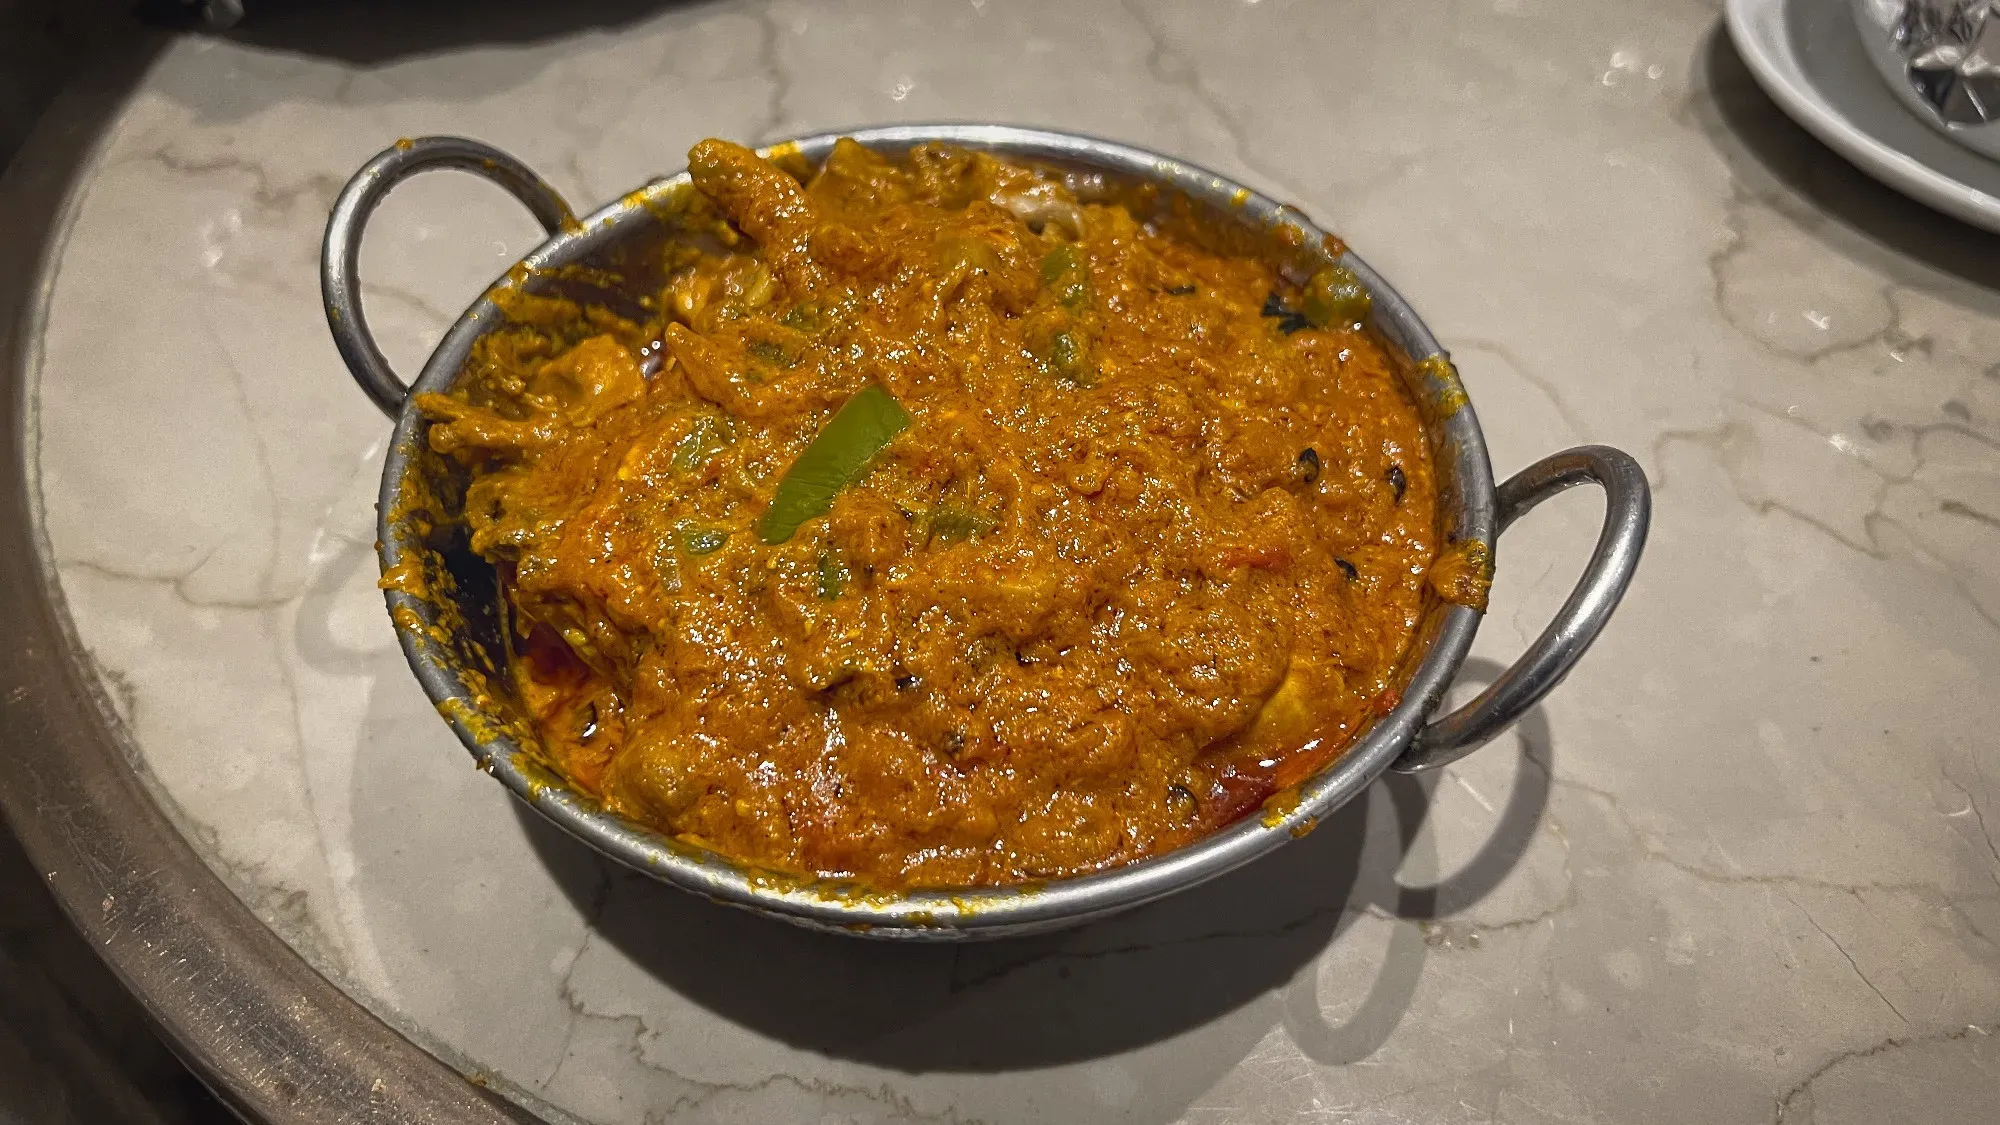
(1808, 56)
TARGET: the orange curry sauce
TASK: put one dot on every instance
(1150, 548)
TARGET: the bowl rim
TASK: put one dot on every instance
(1446, 631)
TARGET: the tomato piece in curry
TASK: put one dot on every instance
(942, 530)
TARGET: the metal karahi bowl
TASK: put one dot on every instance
(444, 601)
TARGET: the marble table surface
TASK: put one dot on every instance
(1742, 866)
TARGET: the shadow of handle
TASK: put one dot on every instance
(1628, 507)
(1368, 1025)
(1510, 697)
(340, 253)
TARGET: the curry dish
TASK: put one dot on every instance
(930, 527)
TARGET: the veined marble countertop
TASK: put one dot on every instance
(1742, 865)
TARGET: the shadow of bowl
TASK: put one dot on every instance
(1102, 989)
(1006, 1004)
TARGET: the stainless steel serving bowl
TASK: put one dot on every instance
(449, 627)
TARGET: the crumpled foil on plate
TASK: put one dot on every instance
(1952, 51)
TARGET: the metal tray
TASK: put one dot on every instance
(274, 1039)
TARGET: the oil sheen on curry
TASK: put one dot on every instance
(932, 528)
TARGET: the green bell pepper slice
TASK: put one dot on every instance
(838, 455)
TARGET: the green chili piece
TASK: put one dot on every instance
(838, 456)
(1068, 357)
(950, 523)
(771, 353)
(1067, 276)
(808, 317)
(708, 437)
(698, 540)
(1335, 296)
(833, 575)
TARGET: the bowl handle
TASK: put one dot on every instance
(339, 255)
(1628, 507)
